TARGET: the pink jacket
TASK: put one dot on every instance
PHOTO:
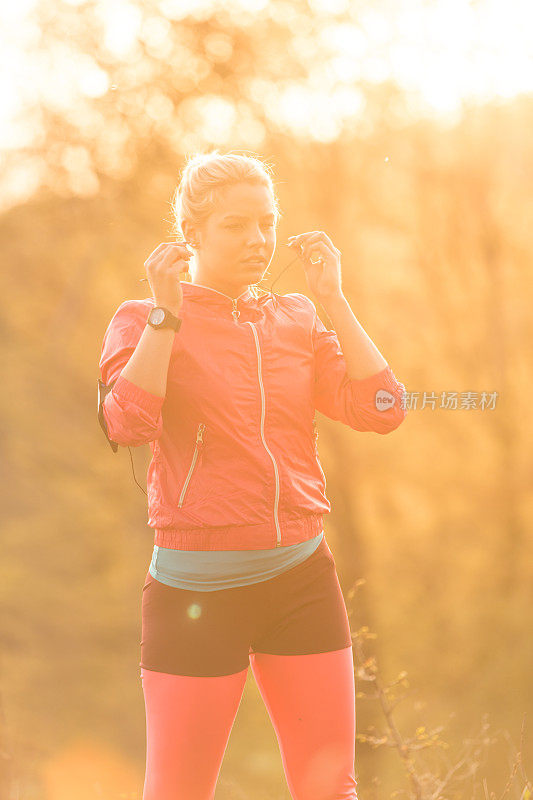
(235, 464)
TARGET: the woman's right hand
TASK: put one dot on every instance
(163, 267)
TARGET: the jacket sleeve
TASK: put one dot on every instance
(373, 404)
(128, 414)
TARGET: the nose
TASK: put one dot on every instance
(258, 237)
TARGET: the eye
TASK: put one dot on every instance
(238, 225)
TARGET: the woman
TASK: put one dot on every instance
(222, 380)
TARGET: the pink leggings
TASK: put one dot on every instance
(310, 700)
(293, 631)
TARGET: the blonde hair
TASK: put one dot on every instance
(203, 180)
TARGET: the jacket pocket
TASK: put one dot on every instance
(197, 449)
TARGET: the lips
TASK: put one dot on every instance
(255, 260)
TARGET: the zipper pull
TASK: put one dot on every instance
(235, 311)
(199, 435)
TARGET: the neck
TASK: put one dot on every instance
(230, 290)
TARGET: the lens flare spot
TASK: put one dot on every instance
(194, 611)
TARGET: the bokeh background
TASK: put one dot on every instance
(402, 129)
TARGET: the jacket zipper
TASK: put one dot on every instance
(276, 498)
(236, 313)
(199, 443)
(315, 429)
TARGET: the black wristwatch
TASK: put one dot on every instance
(160, 317)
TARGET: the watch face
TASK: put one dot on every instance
(157, 316)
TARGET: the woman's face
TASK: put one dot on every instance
(242, 226)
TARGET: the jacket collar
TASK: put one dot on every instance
(205, 294)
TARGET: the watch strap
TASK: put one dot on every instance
(170, 320)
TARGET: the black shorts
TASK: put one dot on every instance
(205, 634)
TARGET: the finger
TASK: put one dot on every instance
(176, 253)
(327, 240)
(323, 237)
(306, 246)
(154, 252)
(312, 236)
(300, 237)
(169, 247)
(183, 247)
(316, 246)
(299, 245)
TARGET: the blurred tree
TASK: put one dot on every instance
(432, 222)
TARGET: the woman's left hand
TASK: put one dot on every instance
(324, 275)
